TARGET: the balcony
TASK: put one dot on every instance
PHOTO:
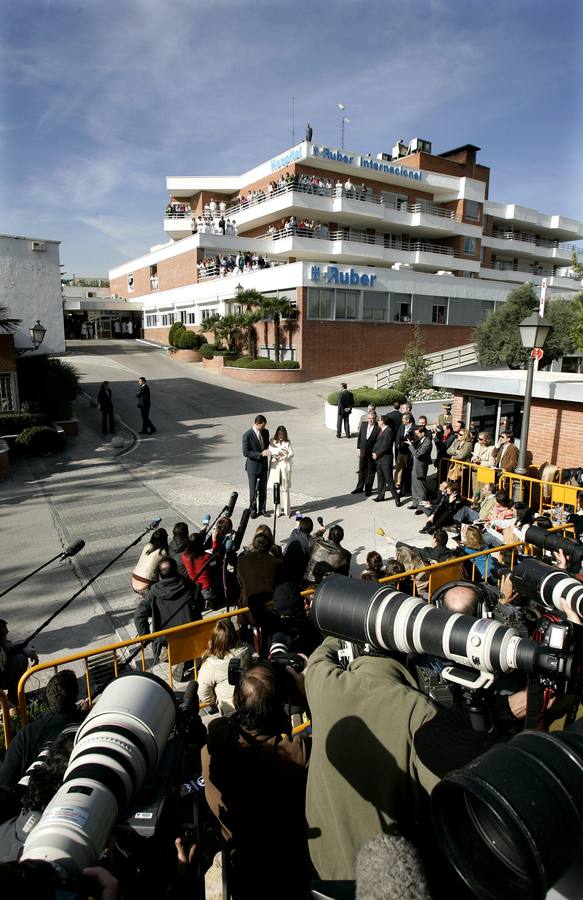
(530, 245)
(368, 209)
(503, 270)
(365, 249)
(559, 226)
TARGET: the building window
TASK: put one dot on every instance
(183, 316)
(346, 305)
(130, 283)
(400, 307)
(6, 393)
(470, 246)
(439, 314)
(151, 320)
(168, 318)
(319, 303)
(473, 210)
(191, 318)
(207, 313)
(374, 306)
(154, 277)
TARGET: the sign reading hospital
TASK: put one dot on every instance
(366, 162)
(334, 275)
(280, 162)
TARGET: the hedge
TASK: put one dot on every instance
(15, 422)
(363, 396)
(262, 362)
(175, 330)
(40, 440)
(207, 350)
(189, 340)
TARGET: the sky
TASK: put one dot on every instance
(101, 101)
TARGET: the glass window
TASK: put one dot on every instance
(130, 283)
(6, 393)
(400, 307)
(183, 316)
(439, 314)
(191, 318)
(319, 303)
(470, 246)
(346, 304)
(374, 306)
(473, 210)
(325, 304)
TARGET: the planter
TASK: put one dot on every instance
(185, 355)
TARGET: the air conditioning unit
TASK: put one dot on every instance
(384, 157)
(443, 272)
(418, 145)
(398, 266)
(39, 246)
(400, 149)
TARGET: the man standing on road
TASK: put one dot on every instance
(345, 404)
(106, 406)
(382, 453)
(367, 435)
(256, 453)
(143, 395)
(420, 450)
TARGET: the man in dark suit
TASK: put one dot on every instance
(420, 450)
(382, 453)
(367, 435)
(345, 404)
(143, 396)
(395, 417)
(256, 453)
(404, 463)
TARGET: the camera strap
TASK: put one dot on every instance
(536, 704)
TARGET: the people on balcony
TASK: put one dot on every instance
(223, 265)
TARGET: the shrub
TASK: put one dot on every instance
(247, 362)
(47, 382)
(207, 350)
(15, 422)
(365, 395)
(188, 340)
(289, 364)
(40, 440)
(174, 334)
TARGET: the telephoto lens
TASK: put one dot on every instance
(117, 747)
(553, 541)
(511, 822)
(539, 581)
(366, 613)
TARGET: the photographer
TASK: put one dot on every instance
(168, 603)
(364, 772)
(255, 782)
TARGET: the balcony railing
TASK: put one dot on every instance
(339, 191)
(215, 270)
(507, 266)
(375, 239)
(537, 241)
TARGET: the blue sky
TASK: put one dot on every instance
(100, 101)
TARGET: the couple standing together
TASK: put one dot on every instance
(267, 462)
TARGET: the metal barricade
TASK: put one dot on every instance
(6, 723)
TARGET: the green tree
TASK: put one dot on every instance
(276, 308)
(577, 266)
(209, 325)
(251, 301)
(228, 328)
(577, 331)
(497, 336)
(415, 376)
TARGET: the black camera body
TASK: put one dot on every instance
(564, 641)
(286, 658)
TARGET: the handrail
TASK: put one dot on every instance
(439, 361)
(547, 243)
(287, 231)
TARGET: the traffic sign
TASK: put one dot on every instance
(536, 353)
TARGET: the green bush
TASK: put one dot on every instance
(365, 395)
(188, 340)
(15, 422)
(289, 364)
(40, 440)
(174, 334)
(247, 362)
(47, 382)
(207, 350)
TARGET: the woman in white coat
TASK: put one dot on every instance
(280, 467)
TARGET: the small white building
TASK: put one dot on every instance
(30, 288)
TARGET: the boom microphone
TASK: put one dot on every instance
(154, 524)
(231, 504)
(388, 867)
(73, 549)
(240, 533)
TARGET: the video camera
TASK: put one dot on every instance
(125, 764)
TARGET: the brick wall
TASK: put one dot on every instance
(7, 357)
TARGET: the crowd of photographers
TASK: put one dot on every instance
(385, 723)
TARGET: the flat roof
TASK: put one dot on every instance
(457, 149)
(554, 386)
(24, 237)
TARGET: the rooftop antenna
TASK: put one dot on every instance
(293, 121)
(344, 121)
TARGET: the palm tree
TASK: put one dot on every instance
(251, 301)
(276, 308)
(229, 328)
(8, 325)
(210, 324)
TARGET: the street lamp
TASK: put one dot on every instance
(534, 330)
(344, 120)
(37, 335)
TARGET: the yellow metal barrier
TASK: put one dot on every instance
(186, 642)
(538, 494)
(6, 723)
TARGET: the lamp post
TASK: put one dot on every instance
(344, 120)
(534, 331)
(37, 335)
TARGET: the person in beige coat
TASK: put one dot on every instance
(223, 646)
(146, 570)
(280, 467)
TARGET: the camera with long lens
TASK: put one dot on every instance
(553, 541)
(390, 621)
(119, 746)
(511, 822)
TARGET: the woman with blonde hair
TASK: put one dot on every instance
(213, 684)
(280, 467)
(483, 455)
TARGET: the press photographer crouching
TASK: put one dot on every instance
(255, 784)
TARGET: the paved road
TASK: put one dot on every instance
(188, 468)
